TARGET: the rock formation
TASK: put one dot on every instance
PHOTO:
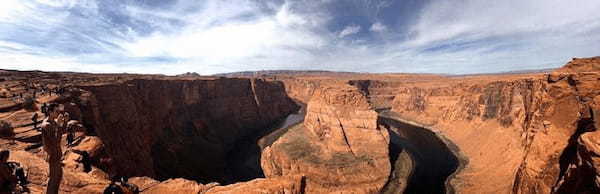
(339, 148)
(518, 130)
(517, 133)
(180, 128)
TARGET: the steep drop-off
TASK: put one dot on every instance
(180, 128)
(430, 160)
(519, 131)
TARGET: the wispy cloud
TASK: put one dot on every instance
(378, 27)
(213, 36)
(349, 30)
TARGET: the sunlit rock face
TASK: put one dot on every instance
(521, 133)
(521, 130)
(338, 148)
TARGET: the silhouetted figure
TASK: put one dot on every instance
(119, 185)
(13, 178)
(86, 161)
(70, 133)
(45, 109)
(113, 188)
(65, 122)
(52, 130)
(19, 172)
(34, 119)
(8, 180)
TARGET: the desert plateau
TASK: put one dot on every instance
(299, 97)
(313, 132)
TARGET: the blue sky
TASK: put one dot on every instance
(215, 36)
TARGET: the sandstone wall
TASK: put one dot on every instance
(518, 131)
(180, 128)
(340, 148)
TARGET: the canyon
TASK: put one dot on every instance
(316, 132)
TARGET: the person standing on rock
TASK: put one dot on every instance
(45, 109)
(52, 130)
(8, 180)
(119, 185)
(71, 126)
(64, 120)
(34, 119)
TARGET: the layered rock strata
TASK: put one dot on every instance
(520, 131)
(180, 128)
(339, 148)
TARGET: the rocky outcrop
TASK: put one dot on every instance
(37, 170)
(179, 185)
(147, 185)
(301, 90)
(179, 128)
(520, 133)
(339, 148)
(279, 185)
(580, 65)
(520, 130)
(580, 163)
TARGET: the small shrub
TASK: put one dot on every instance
(6, 129)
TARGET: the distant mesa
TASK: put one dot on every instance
(189, 74)
(282, 72)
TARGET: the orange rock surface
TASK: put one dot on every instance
(338, 148)
(513, 133)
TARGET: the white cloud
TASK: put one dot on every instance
(283, 35)
(223, 41)
(378, 27)
(217, 36)
(285, 17)
(349, 30)
(10, 8)
(471, 19)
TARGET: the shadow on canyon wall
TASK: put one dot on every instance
(432, 161)
(244, 159)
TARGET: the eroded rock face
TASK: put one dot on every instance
(338, 148)
(521, 131)
(180, 128)
(518, 134)
(338, 116)
(283, 185)
(580, 163)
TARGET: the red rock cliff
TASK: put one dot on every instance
(180, 128)
(520, 131)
